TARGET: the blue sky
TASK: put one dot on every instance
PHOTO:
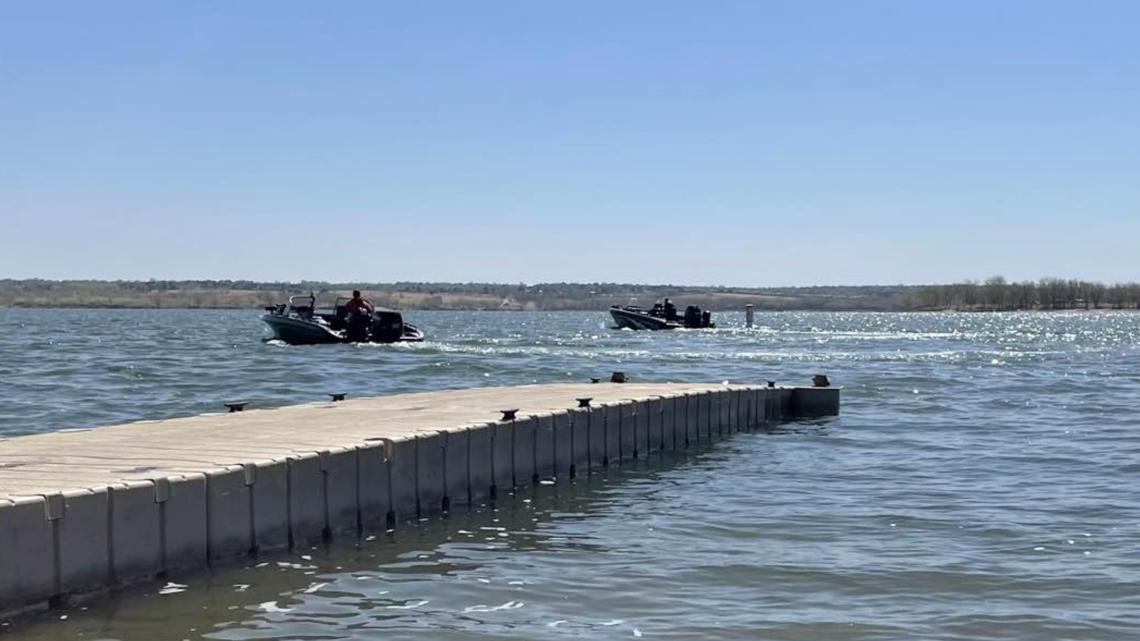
(740, 143)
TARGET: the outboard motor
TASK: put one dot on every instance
(387, 326)
(692, 316)
(706, 318)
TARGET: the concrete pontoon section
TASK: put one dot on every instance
(81, 511)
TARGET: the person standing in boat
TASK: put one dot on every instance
(670, 310)
(359, 317)
(358, 304)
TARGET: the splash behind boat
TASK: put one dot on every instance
(299, 322)
(660, 317)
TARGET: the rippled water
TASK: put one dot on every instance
(980, 484)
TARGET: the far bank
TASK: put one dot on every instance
(994, 294)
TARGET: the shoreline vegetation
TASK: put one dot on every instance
(993, 294)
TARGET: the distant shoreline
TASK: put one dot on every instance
(433, 296)
(993, 295)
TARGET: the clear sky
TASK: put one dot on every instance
(740, 143)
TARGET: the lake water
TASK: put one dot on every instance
(981, 483)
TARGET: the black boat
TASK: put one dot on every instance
(299, 322)
(661, 316)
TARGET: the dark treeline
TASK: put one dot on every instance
(996, 294)
(435, 295)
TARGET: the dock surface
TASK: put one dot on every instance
(85, 510)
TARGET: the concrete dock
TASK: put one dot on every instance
(82, 511)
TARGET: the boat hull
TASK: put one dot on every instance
(629, 319)
(412, 334)
(297, 331)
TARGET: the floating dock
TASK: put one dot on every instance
(82, 511)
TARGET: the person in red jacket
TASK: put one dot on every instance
(358, 318)
(358, 304)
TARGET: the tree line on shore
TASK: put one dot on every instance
(993, 294)
(997, 294)
(239, 294)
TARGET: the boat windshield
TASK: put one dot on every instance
(302, 300)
